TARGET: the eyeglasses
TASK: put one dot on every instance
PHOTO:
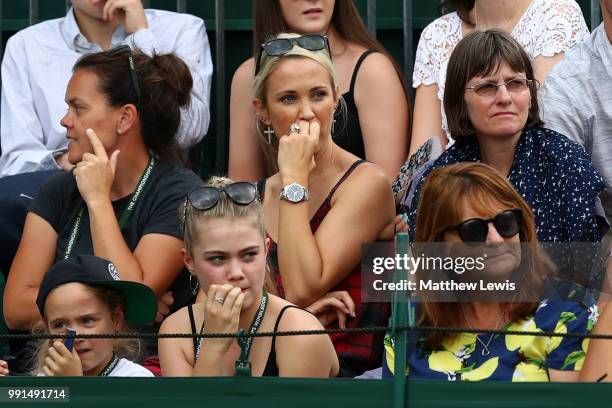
(475, 230)
(489, 89)
(281, 46)
(133, 76)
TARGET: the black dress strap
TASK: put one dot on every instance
(357, 66)
(193, 327)
(344, 177)
(271, 369)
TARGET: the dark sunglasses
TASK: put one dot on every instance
(205, 198)
(281, 46)
(507, 223)
(123, 48)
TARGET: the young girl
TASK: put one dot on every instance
(225, 249)
(85, 294)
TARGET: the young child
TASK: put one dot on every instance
(85, 294)
(225, 249)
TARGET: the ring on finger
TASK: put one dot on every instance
(219, 299)
(295, 127)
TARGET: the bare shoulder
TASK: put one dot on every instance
(244, 73)
(177, 322)
(376, 67)
(294, 318)
(367, 177)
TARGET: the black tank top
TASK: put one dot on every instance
(271, 369)
(347, 131)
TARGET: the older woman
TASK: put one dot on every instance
(492, 109)
(472, 202)
(314, 206)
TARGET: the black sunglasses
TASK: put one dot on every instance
(507, 223)
(280, 46)
(120, 49)
(205, 198)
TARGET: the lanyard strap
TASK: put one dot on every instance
(110, 367)
(125, 215)
(246, 349)
(243, 365)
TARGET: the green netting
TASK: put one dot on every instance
(307, 393)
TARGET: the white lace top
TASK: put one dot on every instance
(547, 27)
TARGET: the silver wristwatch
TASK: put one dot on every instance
(294, 193)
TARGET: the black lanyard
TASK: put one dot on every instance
(110, 367)
(245, 343)
(243, 365)
(125, 216)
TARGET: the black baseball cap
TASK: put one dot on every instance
(141, 303)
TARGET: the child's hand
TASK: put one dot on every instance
(4, 370)
(62, 363)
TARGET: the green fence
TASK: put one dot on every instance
(306, 393)
(396, 23)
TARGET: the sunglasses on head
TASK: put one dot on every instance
(205, 198)
(281, 46)
(507, 223)
(134, 77)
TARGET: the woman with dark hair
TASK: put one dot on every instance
(372, 120)
(120, 201)
(492, 108)
(546, 29)
(472, 203)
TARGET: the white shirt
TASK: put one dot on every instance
(124, 368)
(547, 28)
(37, 66)
(577, 102)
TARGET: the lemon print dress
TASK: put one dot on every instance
(510, 357)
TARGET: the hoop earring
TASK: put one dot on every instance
(193, 287)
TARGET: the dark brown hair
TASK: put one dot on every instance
(268, 23)
(479, 54)
(165, 84)
(462, 7)
(441, 204)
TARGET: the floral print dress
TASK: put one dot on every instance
(512, 357)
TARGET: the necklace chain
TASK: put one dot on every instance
(485, 351)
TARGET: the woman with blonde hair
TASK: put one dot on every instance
(372, 119)
(225, 251)
(314, 206)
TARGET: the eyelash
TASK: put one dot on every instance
(317, 95)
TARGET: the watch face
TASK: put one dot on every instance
(295, 192)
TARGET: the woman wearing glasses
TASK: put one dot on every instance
(372, 120)
(472, 203)
(324, 202)
(491, 104)
(120, 201)
(225, 251)
(545, 28)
